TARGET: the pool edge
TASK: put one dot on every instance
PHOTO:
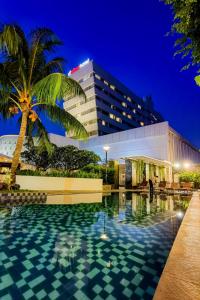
(180, 278)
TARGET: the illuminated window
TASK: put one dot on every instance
(139, 106)
(129, 99)
(119, 120)
(106, 82)
(112, 116)
(129, 116)
(112, 87)
(124, 113)
(97, 76)
(124, 104)
(142, 123)
(103, 123)
(134, 111)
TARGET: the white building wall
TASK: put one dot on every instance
(144, 141)
(180, 150)
(62, 141)
(158, 141)
(85, 112)
(7, 144)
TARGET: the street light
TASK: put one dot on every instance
(104, 235)
(186, 165)
(106, 149)
(177, 165)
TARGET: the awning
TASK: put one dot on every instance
(149, 160)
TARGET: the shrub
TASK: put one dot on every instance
(58, 173)
(100, 170)
(190, 177)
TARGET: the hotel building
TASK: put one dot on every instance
(136, 134)
(110, 106)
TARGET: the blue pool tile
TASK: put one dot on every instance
(55, 251)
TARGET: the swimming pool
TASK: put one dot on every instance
(109, 247)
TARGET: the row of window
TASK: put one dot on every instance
(112, 87)
(90, 122)
(149, 117)
(128, 115)
(117, 119)
(88, 99)
(107, 124)
(87, 76)
(124, 104)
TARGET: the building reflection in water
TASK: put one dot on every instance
(74, 198)
(139, 206)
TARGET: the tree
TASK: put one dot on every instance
(71, 158)
(66, 158)
(31, 81)
(32, 155)
(187, 25)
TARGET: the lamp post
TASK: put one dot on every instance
(106, 149)
(104, 235)
(180, 166)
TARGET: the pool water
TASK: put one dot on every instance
(114, 248)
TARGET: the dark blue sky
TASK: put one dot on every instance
(127, 38)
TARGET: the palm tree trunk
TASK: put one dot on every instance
(19, 146)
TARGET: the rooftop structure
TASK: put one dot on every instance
(110, 106)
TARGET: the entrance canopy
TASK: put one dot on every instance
(149, 160)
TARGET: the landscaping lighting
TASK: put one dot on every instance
(186, 165)
(177, 165)
(179, 214)
(103, 236)
(106, 148)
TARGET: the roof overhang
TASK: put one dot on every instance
(149, 160)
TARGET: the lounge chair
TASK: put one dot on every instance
(186, 186)
(174, 186)
(162, 185)
(143, 185)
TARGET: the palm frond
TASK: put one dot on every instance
(54, 65)
(12, 39)
(60, 116)
(56, 86)
(36, 129)
(43, 40)
(44, 69)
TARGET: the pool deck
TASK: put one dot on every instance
(181, 276)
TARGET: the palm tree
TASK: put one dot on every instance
(31, 82)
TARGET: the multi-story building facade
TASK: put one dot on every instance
(110, 106)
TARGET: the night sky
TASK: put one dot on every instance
(128, 39)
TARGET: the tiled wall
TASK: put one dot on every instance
(7, 199)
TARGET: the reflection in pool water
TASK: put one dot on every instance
(114, 247)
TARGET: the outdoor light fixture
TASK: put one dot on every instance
(183, 165)
(186, 165)
(103, 236)
(177, 165)
(106, 149)
(179, 214)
